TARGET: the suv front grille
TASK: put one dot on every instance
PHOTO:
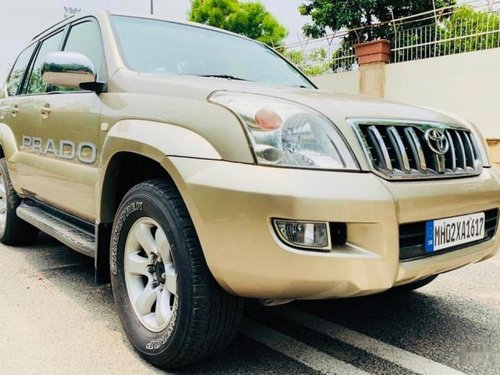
(412, 237)
(403, 150)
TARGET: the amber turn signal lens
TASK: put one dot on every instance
(268, 120)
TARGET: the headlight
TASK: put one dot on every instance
(284, 133)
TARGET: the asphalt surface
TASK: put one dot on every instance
(55, 320)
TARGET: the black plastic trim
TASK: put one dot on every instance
(412, 238)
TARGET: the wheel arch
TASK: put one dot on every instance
(7, 141)
(124, 170)
(133, 152)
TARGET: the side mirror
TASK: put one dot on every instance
(68, 69)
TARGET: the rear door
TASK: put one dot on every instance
(10, 113)
(22, 112)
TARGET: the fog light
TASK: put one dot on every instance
(304, 234)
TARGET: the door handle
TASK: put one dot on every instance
(15, 110)
(45, 111)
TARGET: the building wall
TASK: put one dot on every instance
(345, 83)
(467, 84)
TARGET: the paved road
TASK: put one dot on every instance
(55, 320)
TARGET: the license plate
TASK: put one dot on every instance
(444, 233)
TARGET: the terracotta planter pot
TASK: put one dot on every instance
(375, 51)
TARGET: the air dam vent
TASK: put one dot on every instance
(412, 151)
(412, 238)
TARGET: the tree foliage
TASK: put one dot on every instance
(452, 30)
(333, 15)
(312, 63)
(477, 25)
(250, 19)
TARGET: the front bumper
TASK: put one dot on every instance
(232, 206)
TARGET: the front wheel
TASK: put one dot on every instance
(171, 308)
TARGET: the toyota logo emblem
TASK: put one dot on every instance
(437, 141)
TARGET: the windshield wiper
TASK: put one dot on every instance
(225, 76)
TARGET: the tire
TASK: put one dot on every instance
(413, 286)
(13, 230)
(197, 318)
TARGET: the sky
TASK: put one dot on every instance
(22, 19)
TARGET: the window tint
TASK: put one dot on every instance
(85, 38)
(36, 84)
(16, 75)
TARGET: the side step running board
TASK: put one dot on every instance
(68, 233)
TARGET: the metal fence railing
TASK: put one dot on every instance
(465, 30)
(344, 58)
(466, 27)
(334, 56)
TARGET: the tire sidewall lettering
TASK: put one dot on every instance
(146, 341)
(129, 210)
(157, 344)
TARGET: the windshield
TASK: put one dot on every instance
(154, 46)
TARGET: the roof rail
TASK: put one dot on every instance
(52, 26)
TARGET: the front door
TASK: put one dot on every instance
(69, 129)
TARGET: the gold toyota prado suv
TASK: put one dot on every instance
(199, 168)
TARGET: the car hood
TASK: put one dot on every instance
(338, 107)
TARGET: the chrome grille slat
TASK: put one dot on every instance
(452, 151)
(439, 163)
(461, 150)
(474, 146)
(380, 146)
(399, 150)
(469, 152)
(416, 148)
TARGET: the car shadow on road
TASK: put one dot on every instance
(73, 274)
(401, 319)
(437, 326)
(414, 321)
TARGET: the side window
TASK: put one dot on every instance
(16, 75)
(85, 38)
(35, 83)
